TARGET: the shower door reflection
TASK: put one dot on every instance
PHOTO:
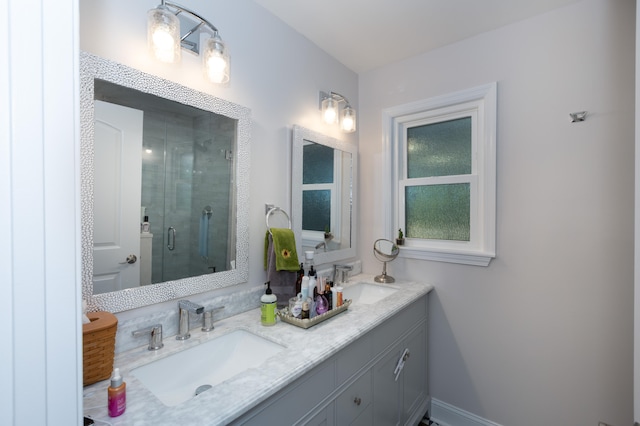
(187, 193)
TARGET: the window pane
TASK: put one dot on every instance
(316, 210)
(439, 149)
(438, 212)
(317, 164)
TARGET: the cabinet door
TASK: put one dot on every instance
(414, 374)
(387, 394)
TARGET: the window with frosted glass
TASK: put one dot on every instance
(441, 158)
(435, 207)
(316, 210)
(439, 149)
(317, 184)
(438, 212)
(317, 163)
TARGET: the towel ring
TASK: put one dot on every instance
(272, 211)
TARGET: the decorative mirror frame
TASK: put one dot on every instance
(300, 134)
(93, 67)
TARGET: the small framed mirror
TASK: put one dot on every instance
(323, 193)
(385, 251)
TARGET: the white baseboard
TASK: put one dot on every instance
(448, 415)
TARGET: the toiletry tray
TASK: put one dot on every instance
(307, 323)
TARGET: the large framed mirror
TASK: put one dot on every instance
(323, 176)
(164, 191)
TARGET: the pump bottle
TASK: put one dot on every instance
(268, 306)
(117, 394)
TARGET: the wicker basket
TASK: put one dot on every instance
(98, 345)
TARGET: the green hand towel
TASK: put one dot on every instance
(284, 247)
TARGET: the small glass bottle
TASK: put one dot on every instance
(305, 310)
(328, 295)
(322, 305)
(295, 306)
(299, 279)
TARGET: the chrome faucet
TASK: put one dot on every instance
(184, 307)
(341, 273)
(155, 336)
(207, 319)
(322, 244)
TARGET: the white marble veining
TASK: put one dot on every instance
(231, 398)
(166, 314)
(234, 304)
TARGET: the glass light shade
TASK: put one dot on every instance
(330, 110)
(348, 119)
(215, 60)
(163, 34)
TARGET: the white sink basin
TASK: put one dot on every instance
(174, 379)
(367, 293)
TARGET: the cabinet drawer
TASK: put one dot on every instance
(366, 418)
(354, 400)
(323, 418)
(389, 332)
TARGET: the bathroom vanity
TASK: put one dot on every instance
(365, 366)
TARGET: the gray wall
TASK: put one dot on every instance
(544, 335)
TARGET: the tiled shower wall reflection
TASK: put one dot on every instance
(189, 167)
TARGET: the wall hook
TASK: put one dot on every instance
(577, 117)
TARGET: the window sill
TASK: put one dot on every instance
(460, 257)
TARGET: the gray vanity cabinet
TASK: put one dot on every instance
(362, 383)
(399, 393)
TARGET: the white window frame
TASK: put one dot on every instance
(481, 104)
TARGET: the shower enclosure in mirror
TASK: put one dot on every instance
(151, 148)
(168, 171)
(323, 194)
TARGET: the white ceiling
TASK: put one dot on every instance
(367, 34)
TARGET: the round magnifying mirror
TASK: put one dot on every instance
(385, 251)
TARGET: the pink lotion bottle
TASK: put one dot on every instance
(117, 391)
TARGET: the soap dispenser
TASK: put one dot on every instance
(268, 306)
(117, 394)
(145, 227)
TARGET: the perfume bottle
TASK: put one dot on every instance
(322, 305)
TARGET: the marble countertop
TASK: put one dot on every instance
(232, 398)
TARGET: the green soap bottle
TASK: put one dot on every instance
(268, 306)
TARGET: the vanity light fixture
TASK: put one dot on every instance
(164, 39)
(330, 106)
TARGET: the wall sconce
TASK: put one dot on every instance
(164, 39)
(330, 106)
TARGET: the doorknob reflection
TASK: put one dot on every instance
(131, 259)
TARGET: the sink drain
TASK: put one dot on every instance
(202, 388)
